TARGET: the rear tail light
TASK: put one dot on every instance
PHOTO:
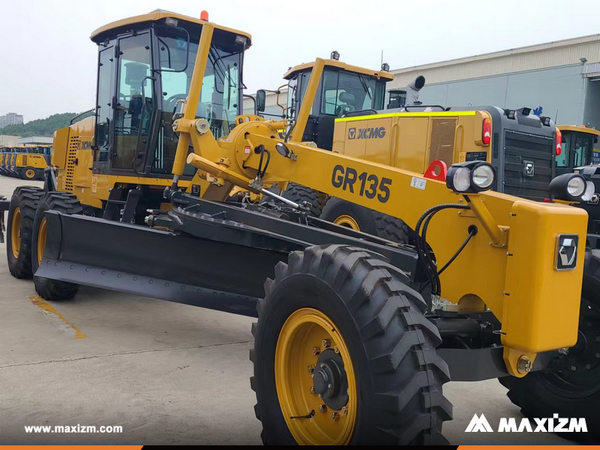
(486, 132)
(558, 142)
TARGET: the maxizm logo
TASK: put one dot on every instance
(366, 133)
(554, 424)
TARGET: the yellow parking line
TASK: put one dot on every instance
(63, 324)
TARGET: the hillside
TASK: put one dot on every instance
(40, 127)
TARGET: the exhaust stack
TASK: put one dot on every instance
(412, 91)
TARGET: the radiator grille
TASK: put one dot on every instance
(74, 144)
(523, 151)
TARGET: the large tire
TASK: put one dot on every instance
(300, 194)
(377, 327)
(574, 391)
(366, 220)
(66, 204)
(23, 205)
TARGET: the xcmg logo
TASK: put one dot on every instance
(554, 424)
(366, 133)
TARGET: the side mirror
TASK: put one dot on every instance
(261, 99)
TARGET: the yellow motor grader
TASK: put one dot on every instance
(351, 346)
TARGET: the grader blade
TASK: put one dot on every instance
(155, 263)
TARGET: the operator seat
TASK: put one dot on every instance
(347, 106)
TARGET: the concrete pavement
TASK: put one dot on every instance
(167, 373)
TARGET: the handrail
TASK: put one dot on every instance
(81, 114)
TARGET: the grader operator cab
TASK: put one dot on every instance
(349, 325)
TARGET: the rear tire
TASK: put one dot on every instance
(21, 213)
(66, 204)
(397, 395)
(570, 393)
(366, 220)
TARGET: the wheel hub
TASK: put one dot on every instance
(330, 381)
(319, 405)
(580, 368)
(585, 355)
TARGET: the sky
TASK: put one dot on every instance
(48, 63)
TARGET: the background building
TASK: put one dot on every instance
(558, 79)
(561, 79)
(10, 119)
(6, 140)
(36, 140)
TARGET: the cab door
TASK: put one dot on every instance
(133, 104)
(104, 107)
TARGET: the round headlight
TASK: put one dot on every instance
(483, 176)
(462, 179)
(576, 186)
(590, 190)
(569, 187)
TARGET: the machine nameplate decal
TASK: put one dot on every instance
(367, 185)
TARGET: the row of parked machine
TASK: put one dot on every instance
(25, 161)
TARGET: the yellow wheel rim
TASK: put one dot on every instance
(307, 338)
(30, 173)
(15, 232)
(347, 221)
(41, 243)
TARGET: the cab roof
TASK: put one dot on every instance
(154, 16)
(335, 63)
(579, 129)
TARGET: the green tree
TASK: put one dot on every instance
(40, 127)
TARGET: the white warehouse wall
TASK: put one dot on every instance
(559, 91)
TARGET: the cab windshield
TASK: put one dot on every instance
(220, 98)
(140, 89)
(577, 150)
(344, 92)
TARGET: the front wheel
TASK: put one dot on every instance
(67, 204)
(343, 354)
(573, 391)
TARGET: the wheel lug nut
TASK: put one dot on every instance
(335, 416)
(588, 366)
(344, 410)
(326, 343)
(597, 355)
(573, 368)
(316, 351)
(335, 349)
(311, 369)
(322, 408)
